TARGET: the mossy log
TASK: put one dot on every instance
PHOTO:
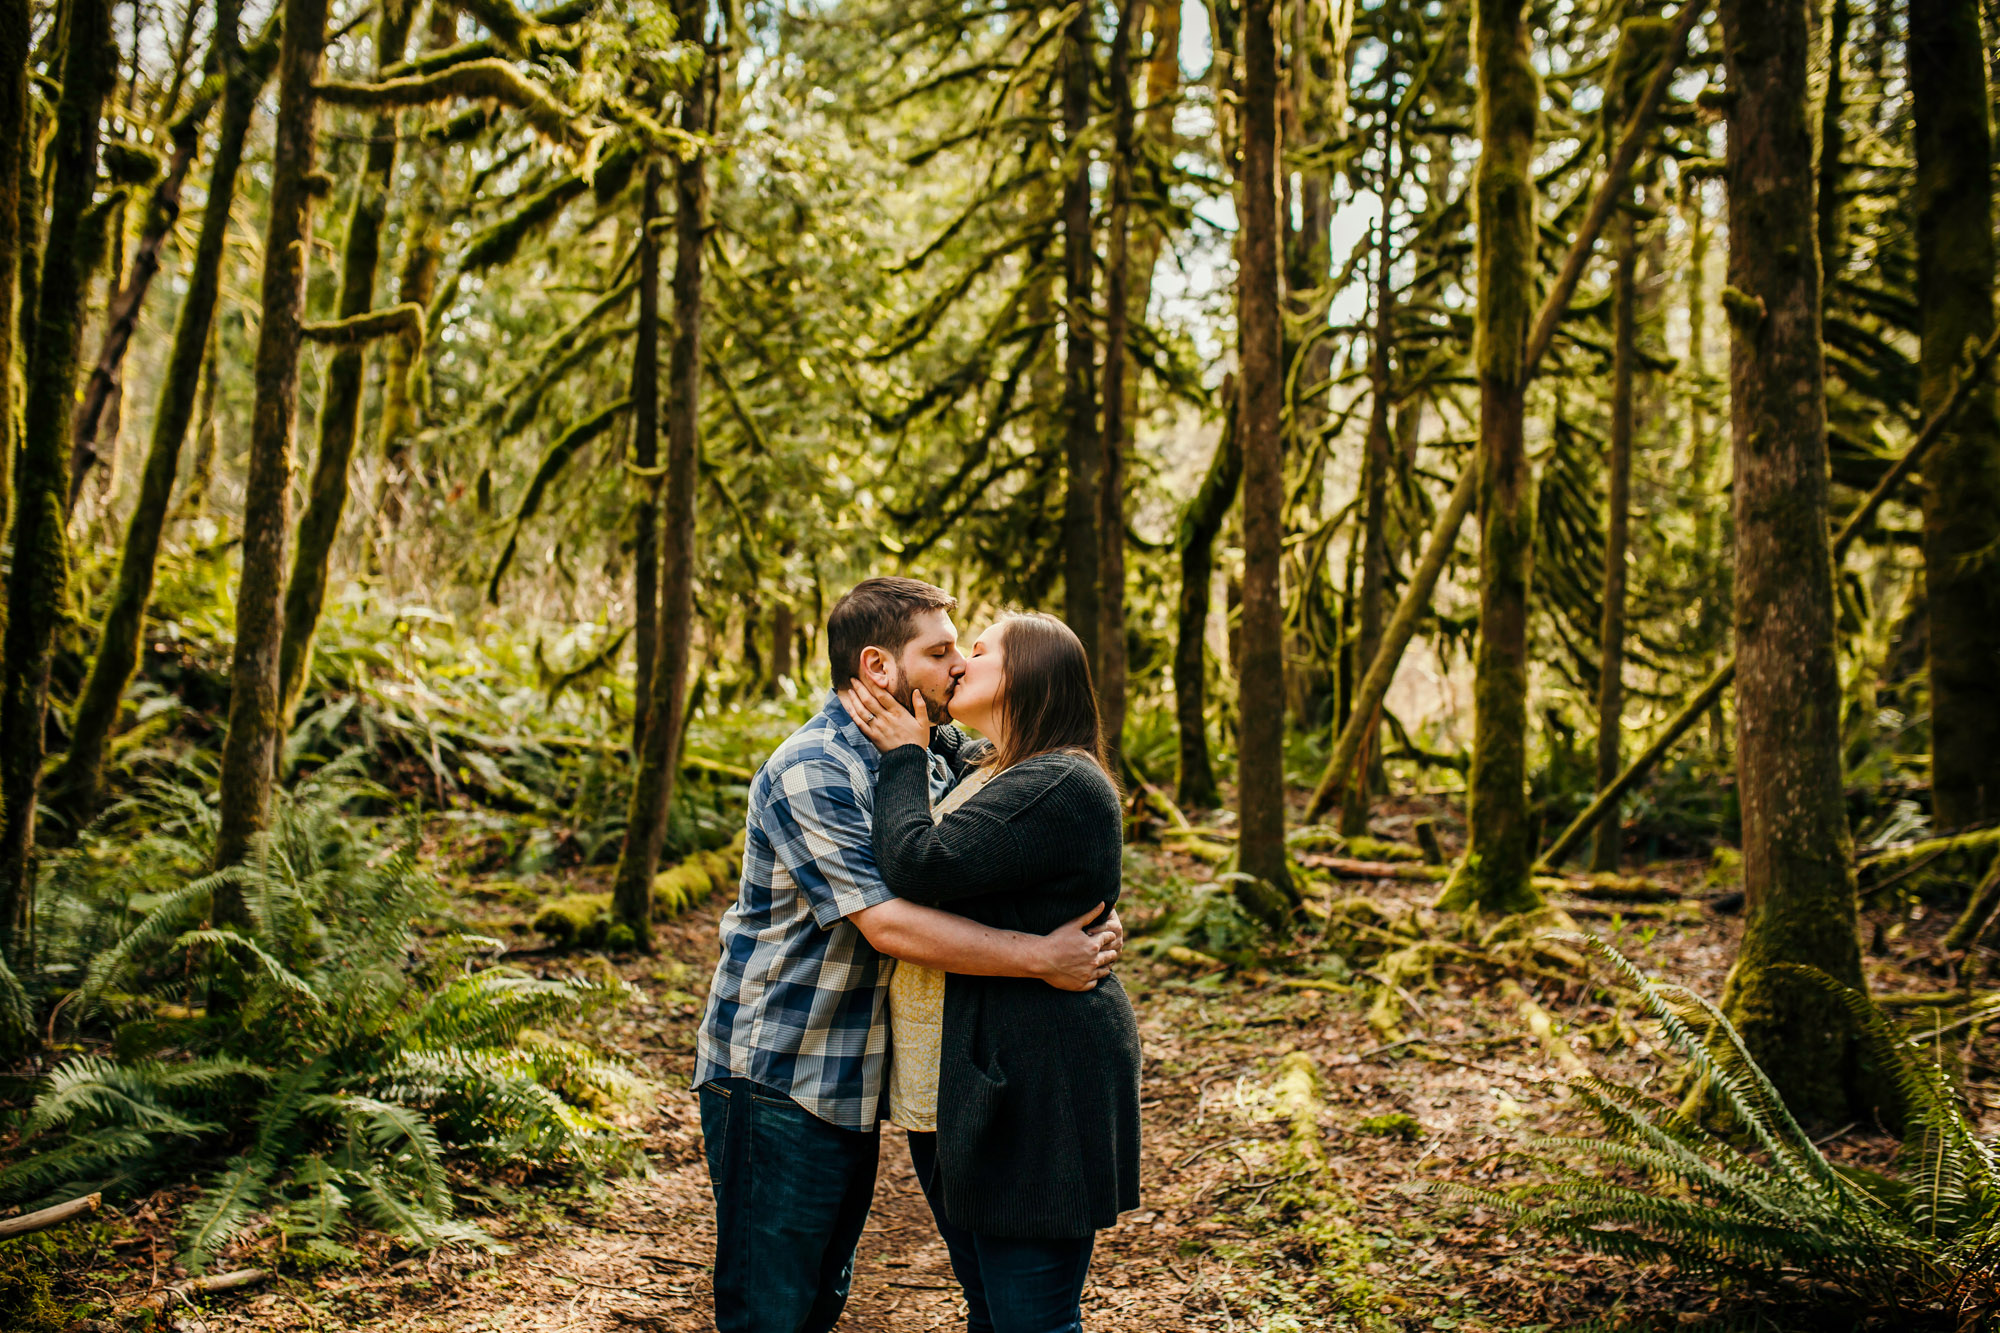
(1971, 925)
(1297, 1097)
(586, 920)
(1964, 853)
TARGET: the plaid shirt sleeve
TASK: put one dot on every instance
(820, 831)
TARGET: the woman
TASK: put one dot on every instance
(1022, 1101)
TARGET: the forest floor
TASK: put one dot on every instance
(1226, 1240)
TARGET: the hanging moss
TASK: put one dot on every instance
(495, 79)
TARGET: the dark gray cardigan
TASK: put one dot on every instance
(1038, 1088)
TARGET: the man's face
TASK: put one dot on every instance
(929, 662)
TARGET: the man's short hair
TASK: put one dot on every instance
(879, 613)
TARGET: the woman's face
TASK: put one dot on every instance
(976, 701)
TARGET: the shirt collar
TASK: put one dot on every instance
(843, 726)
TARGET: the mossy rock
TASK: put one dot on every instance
(1725, 867)
(577, 920)
(1395, 1125)
(29, 1267)
(510, 891)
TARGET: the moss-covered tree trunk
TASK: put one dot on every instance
(14, 36)
(249, 748)
(1117, 316)
(1961, 494)
(38, 582)
(653, 784)
(646, 457)
(103, 389)
(1260, 764)
(1617, 526)
(1194, 775)
(77, 783)
(1083, 447)
(1376, 463)
(416, 284)
(1800, 905)
(340, 393)
(1833, 141)
(1494, 877)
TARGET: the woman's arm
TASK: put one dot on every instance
(1026, 825)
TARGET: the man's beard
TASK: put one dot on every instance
(905, 694)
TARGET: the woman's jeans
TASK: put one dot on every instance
(791, 1198)
(1011, 1286)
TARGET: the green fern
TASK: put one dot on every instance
(360, 1066)
(1653, 1184)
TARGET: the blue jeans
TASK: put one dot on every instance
(1011, 1286)
(791, 1197)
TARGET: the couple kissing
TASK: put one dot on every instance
(924, 933)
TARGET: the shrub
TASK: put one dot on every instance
(327, 1063)
(1761, 1201)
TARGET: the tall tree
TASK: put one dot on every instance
(1494, 876)
(653, 784)
(1117, 315)
(1376, 463)
(251, 744)
(1617, 525)
(646, 458)
(77, 783)
(1194, 774)
(14, 35)
(1260, 765)
(103, 390)
(38, 582)
(1083, 447)
(340, 394)
(1800, 905)
(1961, 493)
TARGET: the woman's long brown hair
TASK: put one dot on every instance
(1046, 697)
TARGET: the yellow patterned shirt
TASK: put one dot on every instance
(916, 1016)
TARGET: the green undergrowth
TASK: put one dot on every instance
(1752, 1198)
(334, 1056)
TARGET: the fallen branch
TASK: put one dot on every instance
(212, 1285)
(1544, 1028)
(42, 1220)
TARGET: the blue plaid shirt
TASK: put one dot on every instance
(800, 1000)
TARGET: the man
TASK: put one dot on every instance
(792, 1049)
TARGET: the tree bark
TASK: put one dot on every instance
(122, 319)
(646, 457)
(38, 582)
(1260, 780)
(254, 697)
(77, 784)
(1375, 467)
(1800, 905)
(653, 784)
(1495, 875)
(1117, 313)
(1617, 523)
(1083, 449)
(340, 394)
(1833, 142)
(1961, 492)
(14, 125)
(1194, 778)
